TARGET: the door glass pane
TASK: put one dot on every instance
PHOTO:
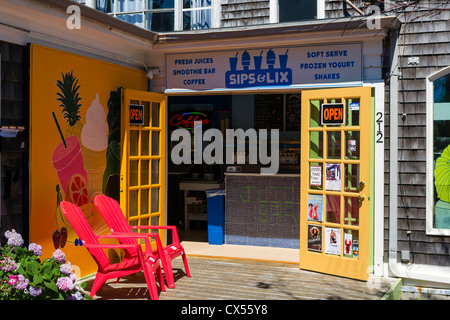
(333, 208)
(333, 144)
(154, 222)
(315, 113)
(155, 171)
(351, 244)
(155, 199)
(316, 144)
(146, 113)
(145, 143)
(352, 144)
(351, 211)
(134, 142)
(351, 177)
(133, 204)
(134, 172)
(144, 201)
(155, 114)
(145, 172)
(352, 112)
(155, 143)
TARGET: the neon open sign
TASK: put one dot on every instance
(186, 120)
(332, 114)
(136, 114)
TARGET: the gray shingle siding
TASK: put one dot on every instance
(237, 13)
(425, 34)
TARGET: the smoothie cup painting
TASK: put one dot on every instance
(68, 161)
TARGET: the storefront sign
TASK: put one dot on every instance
(268, 67)
(136, 114)
(186, 120)
(332, 114)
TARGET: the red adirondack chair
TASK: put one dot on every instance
(147, 263)
(115, 219)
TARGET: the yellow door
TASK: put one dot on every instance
(143, 158)
(335, 172)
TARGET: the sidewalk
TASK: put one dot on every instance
(231, 272)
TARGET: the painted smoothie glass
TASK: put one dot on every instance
(68, 161)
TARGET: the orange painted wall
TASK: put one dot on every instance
(81, 164)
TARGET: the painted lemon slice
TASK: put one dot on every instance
(442, 175)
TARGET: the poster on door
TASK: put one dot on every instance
(348, 252)
(333, 177)
(315, 207)
(333, 241)
(315, 237)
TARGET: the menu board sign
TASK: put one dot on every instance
(268, 112)
(288, 67)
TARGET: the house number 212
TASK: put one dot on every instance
(379, 127)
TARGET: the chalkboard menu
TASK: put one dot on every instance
(293, 112)
(268, 112)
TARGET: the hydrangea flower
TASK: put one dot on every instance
(14, 238)
(59, 256)
(35, 291)
(37, 249)
(65, 284)
(73, 277)
(22, 283)
(66, 269)
(75, 296)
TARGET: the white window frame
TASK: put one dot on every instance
(274, 10)
(178, 12)
(430, 230)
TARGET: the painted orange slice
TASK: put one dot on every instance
(77, 191)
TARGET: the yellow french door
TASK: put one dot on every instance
(335, 173)
(143, 158)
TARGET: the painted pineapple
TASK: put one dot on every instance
(69, 97)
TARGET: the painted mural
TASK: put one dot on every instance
(75, 144)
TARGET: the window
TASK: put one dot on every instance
(296, 10)
(438, 153)
(163, 15)
(196, 14)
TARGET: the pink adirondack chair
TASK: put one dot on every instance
(114, 217)
(147, 263)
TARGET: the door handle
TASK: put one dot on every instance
(361, 198)
(362, 184)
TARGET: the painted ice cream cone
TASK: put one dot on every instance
(94, 138)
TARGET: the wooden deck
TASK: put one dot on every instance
(237, 279)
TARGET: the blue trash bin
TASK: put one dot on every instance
(216, 215)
